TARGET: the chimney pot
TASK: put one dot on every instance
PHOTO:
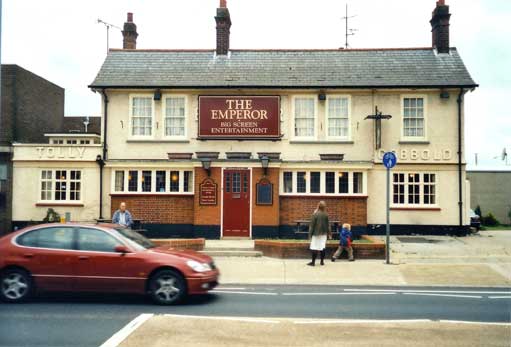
(130, 17)
(223, 3)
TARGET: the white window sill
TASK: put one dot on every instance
(321, 142)
(152, 193)
(60, 203)
(164, 140)
(415, 208)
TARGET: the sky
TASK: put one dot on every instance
(62, 41)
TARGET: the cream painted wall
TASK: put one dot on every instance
(26, 191)
(446, 190)
(441, 123)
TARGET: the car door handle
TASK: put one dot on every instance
(28, 255)
(83, 257)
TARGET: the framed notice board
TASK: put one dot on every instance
(264, 192)
(208, 192)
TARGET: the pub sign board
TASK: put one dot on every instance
(239, 117)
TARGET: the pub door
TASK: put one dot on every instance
(236, 203)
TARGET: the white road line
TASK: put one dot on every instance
(246, 293)
(446, 295)
(499, 297)
(238, 319)
(129, 328)
(337, 293)
(427, 291)
(360, 321)
(230, 288)
(470, 322)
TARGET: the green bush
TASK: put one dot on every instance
(489, 220)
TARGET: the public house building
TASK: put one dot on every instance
(245, 143)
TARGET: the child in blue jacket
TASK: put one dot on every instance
(344, 243)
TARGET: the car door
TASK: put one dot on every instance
(49, 256)
(100, 268)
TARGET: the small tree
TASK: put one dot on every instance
(478, 212)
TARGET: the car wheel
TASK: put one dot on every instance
(15, 285)
(167, 287)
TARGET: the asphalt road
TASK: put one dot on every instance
(89, 320)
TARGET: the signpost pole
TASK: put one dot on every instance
(387, 247)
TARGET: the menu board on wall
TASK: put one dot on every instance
(208, 192)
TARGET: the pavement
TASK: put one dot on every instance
(159, 331)
(482, 259)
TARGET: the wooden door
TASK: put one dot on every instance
(236, 203)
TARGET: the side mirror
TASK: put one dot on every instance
(122, 249)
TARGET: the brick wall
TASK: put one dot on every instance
(265, 215)
(207, 214)
(158, 209)
(352, 210)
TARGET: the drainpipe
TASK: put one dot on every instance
(460, 192)
(101, 160)
(101, 164)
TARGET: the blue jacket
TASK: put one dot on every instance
(117, 216)
(344, 237)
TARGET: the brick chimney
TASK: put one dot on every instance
(223, 26)
(129, 33)
(440, 27)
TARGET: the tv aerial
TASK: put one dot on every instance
(348, 31)
(108, 26)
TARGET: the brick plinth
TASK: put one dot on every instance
(352, 210)
(164, 209)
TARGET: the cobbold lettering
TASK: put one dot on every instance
(239, 110)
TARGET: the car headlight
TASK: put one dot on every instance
(198, 267)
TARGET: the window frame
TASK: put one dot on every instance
(327, 117)
(314, 137)
(425, 117)
(164, 116)
(406, 192)
(294, 176)
(54, 185)
(130, 116)
(153, 191)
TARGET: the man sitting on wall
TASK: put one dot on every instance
(122, 216)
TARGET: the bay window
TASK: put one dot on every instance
(327, 182)
(174, 181)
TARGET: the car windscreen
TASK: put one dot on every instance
(135, 237)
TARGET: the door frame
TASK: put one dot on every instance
(222, 200)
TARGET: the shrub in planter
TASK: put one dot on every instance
(489, 220)
(478, 212)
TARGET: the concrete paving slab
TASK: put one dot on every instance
(264, 270)
(452, 275)
(162, 331)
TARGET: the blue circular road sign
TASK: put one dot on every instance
(389, 160)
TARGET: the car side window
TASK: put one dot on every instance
(96, 240)
(55, 238)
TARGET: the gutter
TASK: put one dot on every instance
(468, 86)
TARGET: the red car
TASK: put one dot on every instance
(99, 258)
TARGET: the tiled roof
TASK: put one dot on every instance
(352, 68)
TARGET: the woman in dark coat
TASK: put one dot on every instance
(319, 231)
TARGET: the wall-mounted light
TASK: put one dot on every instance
(157, 94)
(206, 165)
(444, 94)
(265, 162)
(322, 96)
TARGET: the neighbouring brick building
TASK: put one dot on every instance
(245, 143)
(31, 107)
